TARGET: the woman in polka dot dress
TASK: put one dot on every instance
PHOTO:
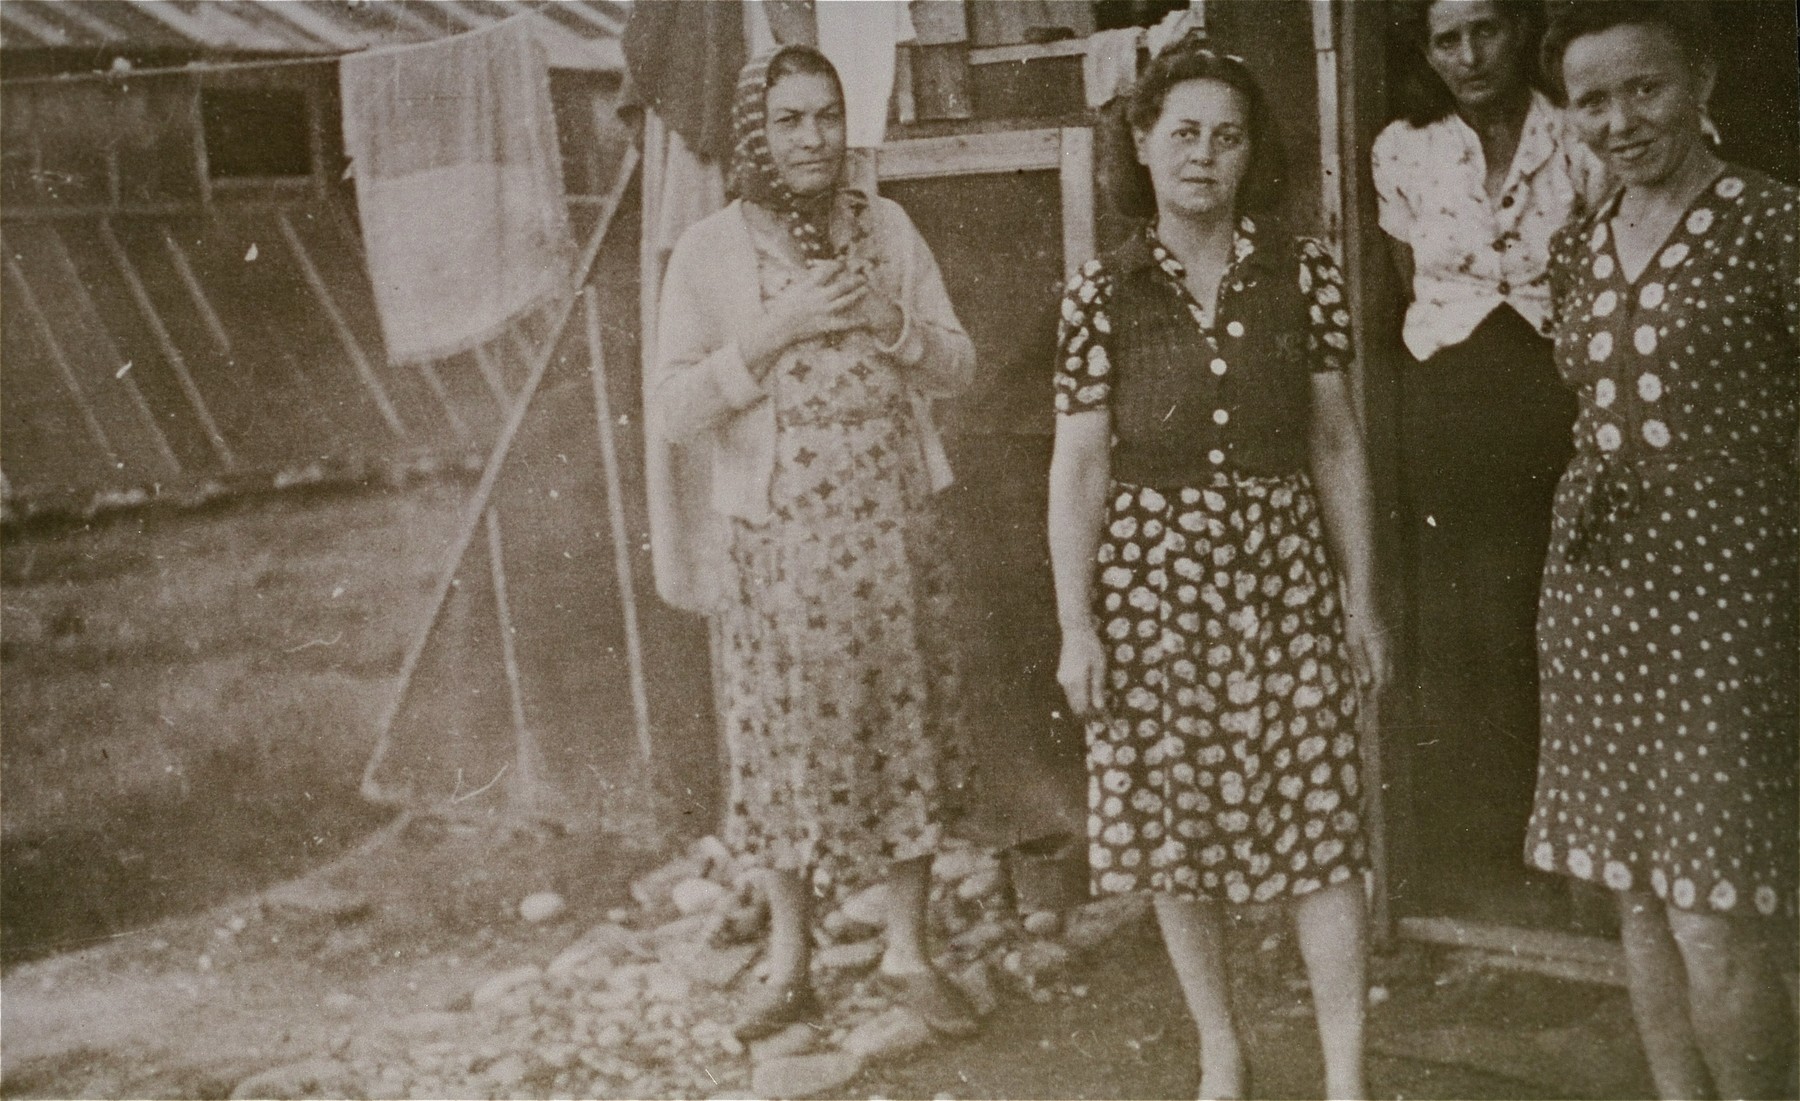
(1668, 634)
(1202, 396)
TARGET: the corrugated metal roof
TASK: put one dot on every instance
(580, 34)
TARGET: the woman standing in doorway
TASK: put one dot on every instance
(1669, 629)
(1472, 183)
(804, 331)
(1207, 486)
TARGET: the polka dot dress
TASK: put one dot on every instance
(1227, 766)
(1669, 640)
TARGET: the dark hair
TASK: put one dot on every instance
(1419, 92)
(1687, 23)
(790, 60)
(1265, 179)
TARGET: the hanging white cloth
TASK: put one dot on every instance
(860, 36)
(458, 185)
(1109, 67)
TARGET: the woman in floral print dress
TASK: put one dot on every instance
(1668, 629)
(1202, 397)
(805, 330)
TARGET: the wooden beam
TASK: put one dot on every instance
(28, 298)
(341, 326)
(197, 291)
(171, 353)
(1521, 945)
(528, 772)
(490, 374)
(113, 360)
(970, 154)
(997, 55)
(484, 489)
(615, 507)
(1076, 161)
(435, 384)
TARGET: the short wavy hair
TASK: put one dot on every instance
(1420, 96)
(1265, 180)
(1687, 23)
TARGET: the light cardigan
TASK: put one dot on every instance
(701, 394)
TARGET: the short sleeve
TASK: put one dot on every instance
(1083, 364)
(1328, 343)
(1393, 209)
(1562, 259)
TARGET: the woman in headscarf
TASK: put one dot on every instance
(1207, 487)
(804, 331)
(1669, 627)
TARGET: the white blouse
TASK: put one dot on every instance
(1471, 253)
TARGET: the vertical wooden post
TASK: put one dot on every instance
(615, 507)
(1077, 182)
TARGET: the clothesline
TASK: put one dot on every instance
(196, 68)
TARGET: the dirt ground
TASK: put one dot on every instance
(188, 702)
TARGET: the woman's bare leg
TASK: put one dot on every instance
(790, 932)
(1739, 1010)
(1193, 934)
(1330, 928)
(1657, 979)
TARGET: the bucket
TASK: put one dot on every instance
(1048, 873)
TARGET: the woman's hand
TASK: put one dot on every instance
(828, 299)
(1367, 640)
(1082, 672)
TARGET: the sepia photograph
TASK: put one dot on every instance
(939, 549)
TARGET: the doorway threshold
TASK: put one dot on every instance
(1556, 954)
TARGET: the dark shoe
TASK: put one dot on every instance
(946, 1009)
(772, 1008)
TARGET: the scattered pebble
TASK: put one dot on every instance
(541, 907)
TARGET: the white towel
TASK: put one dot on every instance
(458, 185)
(859, 36)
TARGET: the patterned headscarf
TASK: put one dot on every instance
(754, 177)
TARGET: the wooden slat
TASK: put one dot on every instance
(490, 374)
(435, 384)
(215, 327)
(1520, 944)
(970, 154)
(341, 326)
(484, 489)
(170, 351)
(28, 298)
(109, 351)
(615, 508)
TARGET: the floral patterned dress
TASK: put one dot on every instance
(838, 657)
(1227, 765)
(1668, 629)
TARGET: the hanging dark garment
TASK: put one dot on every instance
(684, 61)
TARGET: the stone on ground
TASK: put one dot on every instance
(895, 1032)
(697, 895)
(1090, 926)
(845, 957)
(498, 987)
(795, 1039)
(541, 906)
(804, 1075)
(307, 1078)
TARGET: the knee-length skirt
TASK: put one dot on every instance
(1226, 766)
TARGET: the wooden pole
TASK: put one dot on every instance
(490, 374)
(341, 326)
(484, 489)
(527, 787)
(28, 298)
(171, 352)
(615, 504)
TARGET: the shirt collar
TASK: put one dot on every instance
(1538, 139)
(1146, 250)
